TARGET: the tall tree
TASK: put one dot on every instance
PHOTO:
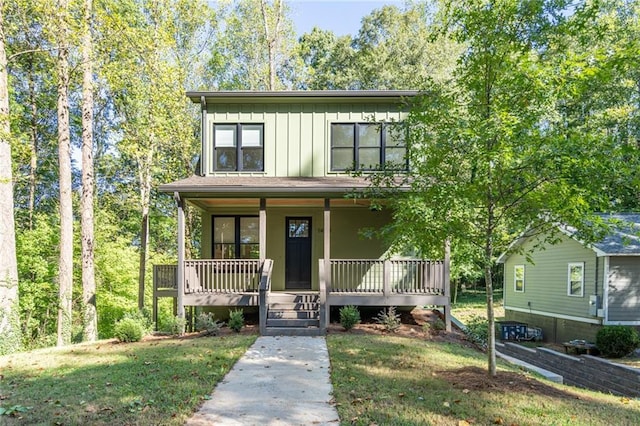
(254, 49)
(490, 158)
(65, 270)
(90, 318)
(10, 336)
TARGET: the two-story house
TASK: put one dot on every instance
(279, 230)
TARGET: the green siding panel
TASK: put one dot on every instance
(623, 296)
(546, 279)
(297, 136)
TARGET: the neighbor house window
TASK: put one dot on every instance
(518, 278)
(575, 285)
(238, 147)
(236, 237)
(367, 146)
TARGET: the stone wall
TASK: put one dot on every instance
(584, 371)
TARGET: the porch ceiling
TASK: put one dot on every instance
(265, 187)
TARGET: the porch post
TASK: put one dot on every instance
(263, 229)
(327, 264)
(181, 249)
(447, 284)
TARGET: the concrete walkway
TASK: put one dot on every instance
(278, 381)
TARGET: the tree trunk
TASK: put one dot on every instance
(65, 271)
(33, 160)
(90, 320)
(144, 173)
(10, 336)
(272, 37)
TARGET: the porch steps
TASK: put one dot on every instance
(293, 314)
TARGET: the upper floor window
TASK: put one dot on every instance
(518, 278)
(367, 146)
(238, 147)
(575, 284)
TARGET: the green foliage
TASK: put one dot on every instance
(205, 321)
(129, 330)
(236, 320)
(14, 410)
(349, 316)
(477, 331)
(176, 325)
(616, 341)
(389, 319)
(439, 325)
(36, 250)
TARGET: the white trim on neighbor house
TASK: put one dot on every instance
(569, 281)
(515, 278)
(637, 323)
(552, 314)
(605, 290)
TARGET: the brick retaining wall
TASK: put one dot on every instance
(584, 371)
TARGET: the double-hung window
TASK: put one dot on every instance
(238, 147)
(575, 279)
(236, 237)
(367, 146)
(518, 278)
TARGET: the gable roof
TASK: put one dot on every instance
(623, 238)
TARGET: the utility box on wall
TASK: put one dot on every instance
(594, 305)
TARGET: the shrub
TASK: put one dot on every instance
(349, 317)
(477, 331)
(617, 341)
(141, 317)
(439, 325)
(236, 320)
(206, 321)
(389, 319)
(176, 326)
(129, 330)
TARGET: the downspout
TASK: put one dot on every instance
(605, 291)
(181, 249)
(203, 132)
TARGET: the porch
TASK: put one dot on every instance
(359, 282)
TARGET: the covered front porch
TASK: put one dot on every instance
(293, 247)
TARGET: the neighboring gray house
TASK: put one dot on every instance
(570, 289)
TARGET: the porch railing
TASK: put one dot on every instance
(403, 276)
(165, 277)
(222, 275)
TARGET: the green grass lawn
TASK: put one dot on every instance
(156, 382)
(400, 381)
(378, 379)
(473, 303)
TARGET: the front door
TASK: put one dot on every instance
(298, 253)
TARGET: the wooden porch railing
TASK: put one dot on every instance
(165, 277)
(405, 276)
(222, 275)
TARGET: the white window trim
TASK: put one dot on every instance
(515, 268)
(569, 266)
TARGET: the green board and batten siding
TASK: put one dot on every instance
(296, 135)
(545, 288)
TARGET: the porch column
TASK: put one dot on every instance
(262, 239)
(447, 284)
(181, 249)
(324, 302)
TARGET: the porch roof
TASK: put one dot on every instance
(266, 186)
